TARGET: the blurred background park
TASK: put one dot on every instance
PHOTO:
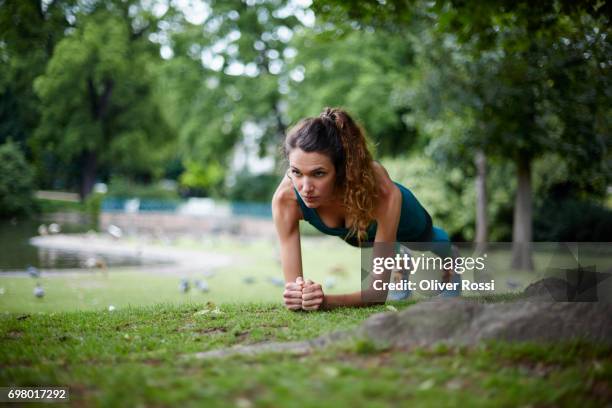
(149, 131)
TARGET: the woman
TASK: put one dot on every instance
(334, 184)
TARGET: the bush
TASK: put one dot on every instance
(93, 207)
(447, 197)
(120, 187)
(254, 188)
(572, 220)
(16, 182)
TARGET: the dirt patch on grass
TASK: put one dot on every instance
(212, 330)
(13, 335)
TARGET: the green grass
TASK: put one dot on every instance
(140, 356)
(122, 287)
(46, 206)
(323, 258)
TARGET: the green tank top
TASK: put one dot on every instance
(415, 223)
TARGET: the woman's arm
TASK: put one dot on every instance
(387, 213)
(286, 215)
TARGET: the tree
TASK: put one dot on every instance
(537, 82)
(360, 71)
(98, 105)
(29, 33)
(16, 188)
(225, 80)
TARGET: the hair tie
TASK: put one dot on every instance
(329, 114)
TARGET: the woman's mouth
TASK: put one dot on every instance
(310, 198)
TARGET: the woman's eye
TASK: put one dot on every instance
(295, 172)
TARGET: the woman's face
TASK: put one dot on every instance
(313, 175)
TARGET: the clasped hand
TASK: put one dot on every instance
(303, 295)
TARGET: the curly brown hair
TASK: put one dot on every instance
(337, 135)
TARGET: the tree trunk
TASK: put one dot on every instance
(521, 228)
(482, 226)
(89, 166)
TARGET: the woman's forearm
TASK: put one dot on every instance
(346, 300)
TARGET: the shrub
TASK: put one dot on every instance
(254, 188)
(16, 182)
(120, 187)
(572, 220)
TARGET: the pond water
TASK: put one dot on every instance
(16, 253)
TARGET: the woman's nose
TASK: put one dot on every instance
(307, 185)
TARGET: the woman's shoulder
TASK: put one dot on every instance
(386, 187)
(284, 200)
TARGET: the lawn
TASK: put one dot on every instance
(249, 279)
(143, 357)
(141, 352)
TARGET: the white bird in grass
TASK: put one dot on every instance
(276, 281)
(42, 230)
(93, 262)
(39, 291)
(184, 285)
(201, 285)
(329, 282)
(513, 285)
(115, 231)
(33, 271)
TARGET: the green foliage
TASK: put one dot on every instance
(227, 73)
(120, 187)
(16, 184)
(444, 195)
(28, 35)
(206, 179)
(571, 220)
(98, 104)
(361, 72)
(45, 206)
(447, 193)
(255, 188)
(93, 207)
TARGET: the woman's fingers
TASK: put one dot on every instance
(312, 295)
(314, 304)
(293, 307)
(312, 288)
(303, 295)
(294, 286)
(293, 303)
(292, 294)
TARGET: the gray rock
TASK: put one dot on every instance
(549, 289)
(467, 322)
